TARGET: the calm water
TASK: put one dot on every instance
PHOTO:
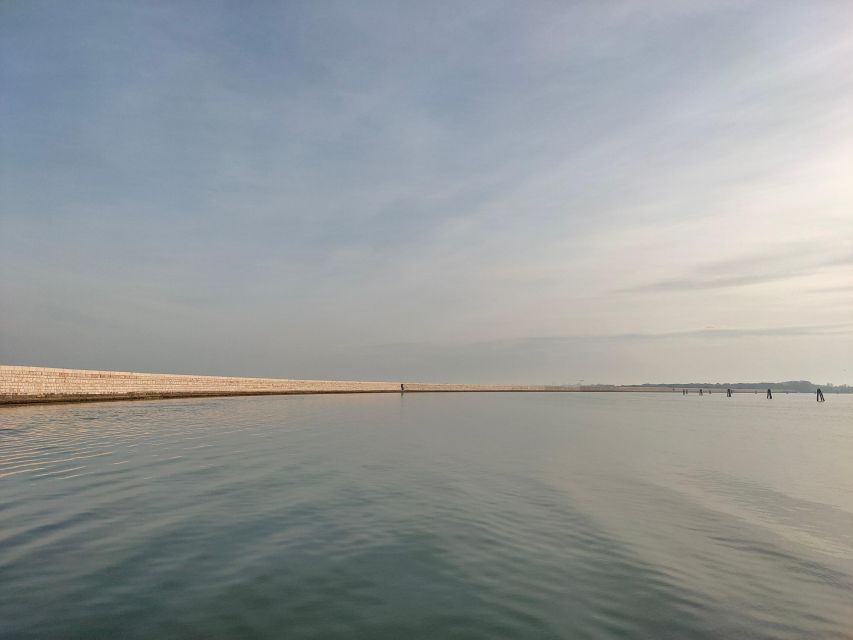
(429, 516)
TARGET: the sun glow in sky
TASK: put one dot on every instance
(459, 191)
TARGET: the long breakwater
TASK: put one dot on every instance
(22, 385)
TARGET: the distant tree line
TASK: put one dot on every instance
(797, 386)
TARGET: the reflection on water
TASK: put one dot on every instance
(429, 516)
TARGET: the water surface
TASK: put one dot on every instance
(429, 516)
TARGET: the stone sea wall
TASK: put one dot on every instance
(19, 385)
(38, 384)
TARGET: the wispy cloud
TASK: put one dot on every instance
(549, 341)
(733, 333)
(783, 264)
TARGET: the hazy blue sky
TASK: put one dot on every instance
(440, 191)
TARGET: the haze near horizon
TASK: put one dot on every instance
(484, 192)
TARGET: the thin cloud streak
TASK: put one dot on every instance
(710, 332)
(784, 265)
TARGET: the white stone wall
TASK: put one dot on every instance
(40, 384)
(37, 383)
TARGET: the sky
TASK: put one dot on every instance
(485, 191)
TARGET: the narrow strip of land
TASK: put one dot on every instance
(25, 385)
